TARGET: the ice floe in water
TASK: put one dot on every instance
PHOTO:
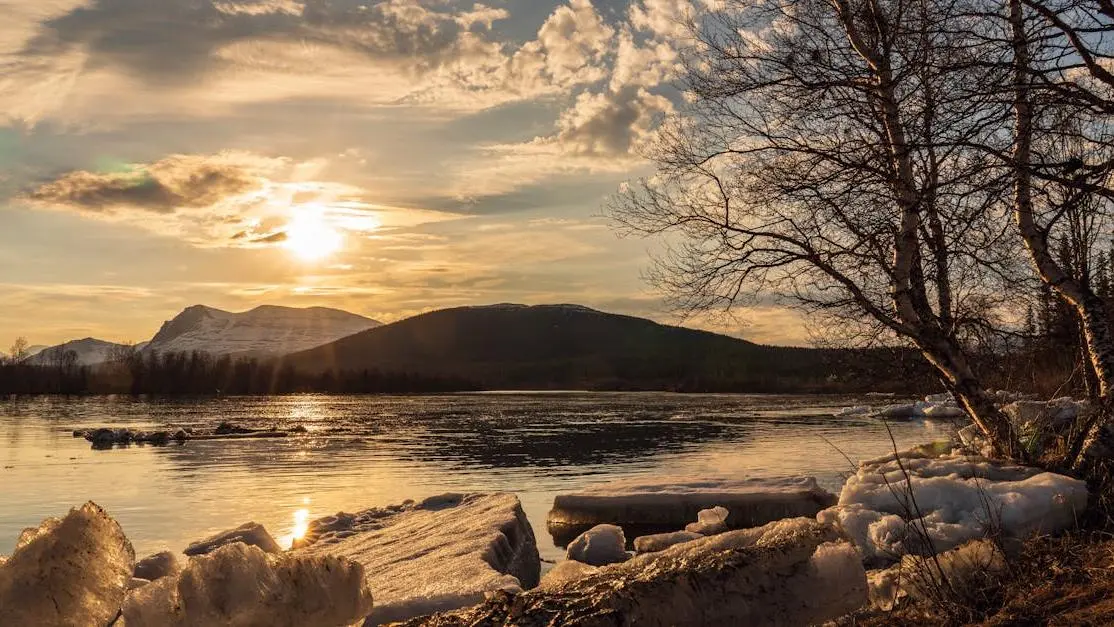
(442, 553)
(667, 503)
(157, 566)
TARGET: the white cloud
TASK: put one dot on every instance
(665, 19)
(610, 124)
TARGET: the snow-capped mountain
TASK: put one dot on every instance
(89, 351)
(265, 330)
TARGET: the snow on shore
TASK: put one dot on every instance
(947, 500)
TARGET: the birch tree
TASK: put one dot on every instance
(1060, 53)
(825, 154)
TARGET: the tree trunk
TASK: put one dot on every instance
(909, 291)
(960, 380)
(1091, 308)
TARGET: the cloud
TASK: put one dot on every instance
(230, 199)
(597, 136)
(178, 181)
(603, 127)
(612, 123)
(569, 48)
(273, 238)
(663, 18)
(171, 40)
(444, 55)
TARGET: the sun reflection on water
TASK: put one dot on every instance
(301, 526)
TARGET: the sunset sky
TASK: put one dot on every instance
(382, 157)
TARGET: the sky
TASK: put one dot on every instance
(386, 158)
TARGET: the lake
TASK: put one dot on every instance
(364, 451)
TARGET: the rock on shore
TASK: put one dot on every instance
(443, 553)
(787, 573)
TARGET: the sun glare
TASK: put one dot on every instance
(298, 531)
(310, 238)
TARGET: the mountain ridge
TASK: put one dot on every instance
(264, 330)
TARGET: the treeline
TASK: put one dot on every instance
(1048, 352)
(201, 373)
(198, 373)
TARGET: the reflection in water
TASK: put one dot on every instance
(298, 531)
(362, 452)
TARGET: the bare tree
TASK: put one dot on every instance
(1062, 170)
(19, 350)
(122, 353)
(826, 155)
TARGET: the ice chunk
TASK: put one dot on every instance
(884, 587)
(1032, 417)
(790, 572)
(238, 584)
(709, 522)
(157, 566)
(898, 412)
(943, 397)
(599, 546)
(857, 410)
(954, 499)
(942, 410)
(443, 553)
(664, 504)
(928, 408)
(967, 567)
(566, 571)
(661, 541)
(252, 534)
(1006, 396)
(75, 567)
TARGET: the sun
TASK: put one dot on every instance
(310, 238)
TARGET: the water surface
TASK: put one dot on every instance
(364, 451)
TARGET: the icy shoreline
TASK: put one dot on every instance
(454, 558)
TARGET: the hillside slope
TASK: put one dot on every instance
(565, 346)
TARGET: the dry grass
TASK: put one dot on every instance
(1060, 581)
(1065, 581)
